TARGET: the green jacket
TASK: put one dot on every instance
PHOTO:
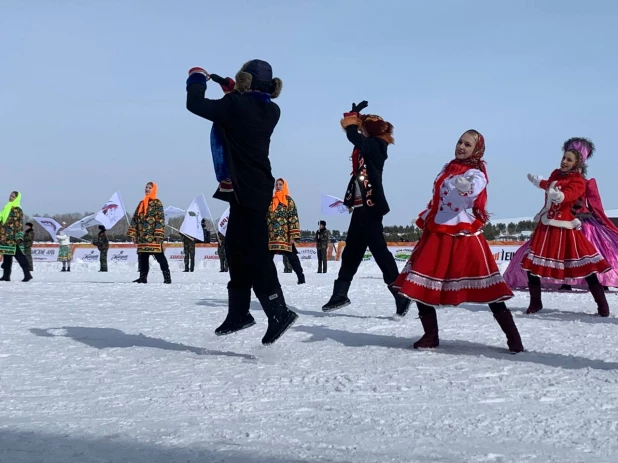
(322, 238)
(102, 243)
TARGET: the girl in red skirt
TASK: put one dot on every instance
(558, 248)
(452, 262)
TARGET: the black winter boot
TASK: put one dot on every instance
(402, 302)
(27, 276)
(143, 277)
(167, 276)
(339, 299)
(280, 318)
(6, 274)
(301, 279)
(429, 320)
(599, 297)
(536, 303)
(238, 316)
(506, 322)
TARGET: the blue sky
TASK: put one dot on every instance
(93, 94)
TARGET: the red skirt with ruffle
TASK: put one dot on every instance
(451, 270)
(561, 253)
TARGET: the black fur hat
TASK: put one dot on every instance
(323, 222)
(102, 228)
(258, 75)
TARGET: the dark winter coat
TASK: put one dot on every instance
(28, 238)
(102, 243)
(246, 122)
(322, 238)
(373, 154)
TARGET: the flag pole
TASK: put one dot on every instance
(125, 209)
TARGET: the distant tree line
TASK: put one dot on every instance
(413, 233)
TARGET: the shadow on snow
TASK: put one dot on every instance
(455, 348)
(109, 338)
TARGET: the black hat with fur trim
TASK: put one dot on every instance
(257, 75)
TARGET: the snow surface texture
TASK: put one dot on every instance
(95, 369)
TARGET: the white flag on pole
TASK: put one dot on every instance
(172, 212)
(222, 225)
(192, 224)
(49, 225)
(80, 228)
(332, 205)
(112, 212)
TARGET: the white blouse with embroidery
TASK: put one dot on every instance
(452, 214)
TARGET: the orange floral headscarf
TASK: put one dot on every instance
(143, 206)
(281, 196)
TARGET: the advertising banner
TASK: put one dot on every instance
(401, 251)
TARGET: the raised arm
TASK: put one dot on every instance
(213, 110)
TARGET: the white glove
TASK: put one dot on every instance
(555, 195)
(462, 184)
(535, 180)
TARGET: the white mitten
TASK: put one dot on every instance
(555, 195)
(535, 180)
(462, 184)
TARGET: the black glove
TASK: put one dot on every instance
(357, 108)
(218, 79)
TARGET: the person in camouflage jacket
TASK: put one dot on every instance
(284, 227)
(221, 253)
(322, 238)
(147, 231)
(12, 237)
(189, 252)
(102, 244)
(28, 242)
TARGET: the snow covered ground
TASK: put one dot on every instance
(95, 369)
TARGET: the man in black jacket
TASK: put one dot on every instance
(28, 241)
(370, 136)
(243, 122)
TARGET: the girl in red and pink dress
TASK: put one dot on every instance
(452, 263)
(596, 226)
(558, 248)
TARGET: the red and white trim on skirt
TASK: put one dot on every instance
(447, 270)
(561, 253)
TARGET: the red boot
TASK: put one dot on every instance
(598, 293)
(429, 319)
(535, 297)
